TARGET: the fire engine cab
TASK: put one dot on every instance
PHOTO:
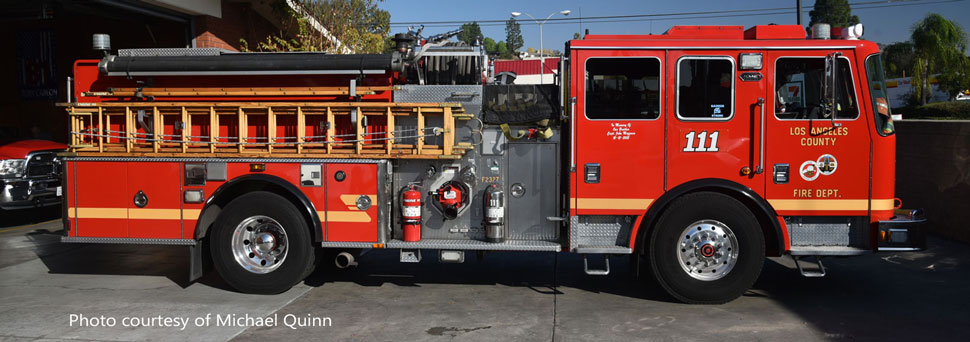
(696, 153)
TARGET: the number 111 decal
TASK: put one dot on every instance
(701, 139)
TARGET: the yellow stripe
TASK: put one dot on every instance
(155, 214)
(191, 214)
(345, 216)
(820, 204)
(351, 199)
(883, 204)
(132, 213)
(101, 213)
(611, 203)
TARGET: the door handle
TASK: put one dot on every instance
(761, 139)
(592, 172)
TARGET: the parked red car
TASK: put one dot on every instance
(30, 174)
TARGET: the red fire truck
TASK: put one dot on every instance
(697, 153)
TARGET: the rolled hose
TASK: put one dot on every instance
(238, 63)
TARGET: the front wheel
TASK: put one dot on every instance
(261, 244)
(707, 248)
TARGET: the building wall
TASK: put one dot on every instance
(239, 21)
(527, 70)
(933, 173)
(24, 114)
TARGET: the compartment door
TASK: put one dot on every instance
(161, 183)
(100, 207)
(346, 185)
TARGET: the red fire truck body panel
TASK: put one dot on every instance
(346, 220)
(844, 142)
(100, 198)
(106, 210)
(693, 152)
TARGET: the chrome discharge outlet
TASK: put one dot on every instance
(344, 260)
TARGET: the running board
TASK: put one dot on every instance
(477, 245)
(816, 273)
(603, 250)
(827, 251)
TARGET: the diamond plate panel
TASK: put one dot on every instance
(511, 245)
(599, 230)
(469, 96)
(170, 52)
(819, 233)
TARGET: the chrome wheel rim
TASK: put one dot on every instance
(259, 244)
(707, 250)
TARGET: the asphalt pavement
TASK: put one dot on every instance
(55, 291)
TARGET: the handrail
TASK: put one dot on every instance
(761, 139)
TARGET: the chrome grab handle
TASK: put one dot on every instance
(761, 136)
(572, 134)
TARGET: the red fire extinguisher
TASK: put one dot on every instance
(411, 214)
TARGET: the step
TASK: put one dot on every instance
(584, 249)
(511, 245)
(827, 250)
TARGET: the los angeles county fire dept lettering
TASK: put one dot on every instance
(818, 136)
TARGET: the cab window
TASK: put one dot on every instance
(705, 87)
(623, 88)
(799, 90)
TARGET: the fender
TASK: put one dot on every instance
(250, 182)
(759, 207)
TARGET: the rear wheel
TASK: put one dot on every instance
(707, 248)
(261, 244)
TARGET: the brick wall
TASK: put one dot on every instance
(239, 21)
(933, 173)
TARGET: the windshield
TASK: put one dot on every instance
(880, 99)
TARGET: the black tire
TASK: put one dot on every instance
(710, 209)
(300, 255)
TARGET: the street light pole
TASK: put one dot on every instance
(542, 59)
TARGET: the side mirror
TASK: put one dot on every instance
(830, 106)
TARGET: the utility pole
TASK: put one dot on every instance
(799, 11)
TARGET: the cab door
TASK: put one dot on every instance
(819, 154)
(618, 131)
(714, 130)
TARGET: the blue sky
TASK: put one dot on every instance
(882, 25)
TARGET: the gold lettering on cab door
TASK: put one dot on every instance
(818, 136)
(815, 193)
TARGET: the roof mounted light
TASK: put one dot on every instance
(821, 31)
(852, 32)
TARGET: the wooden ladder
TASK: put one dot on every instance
(381, 130)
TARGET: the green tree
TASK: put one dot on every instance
(897, 59)
(358, 25)
(470, 32)
(837, 13)
(489, 44)
(939, 47)
(513, 36)
(502, 50)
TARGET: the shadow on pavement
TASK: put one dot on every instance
(20, 217)
(541, 272)
(920, 295)
(884, 296)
